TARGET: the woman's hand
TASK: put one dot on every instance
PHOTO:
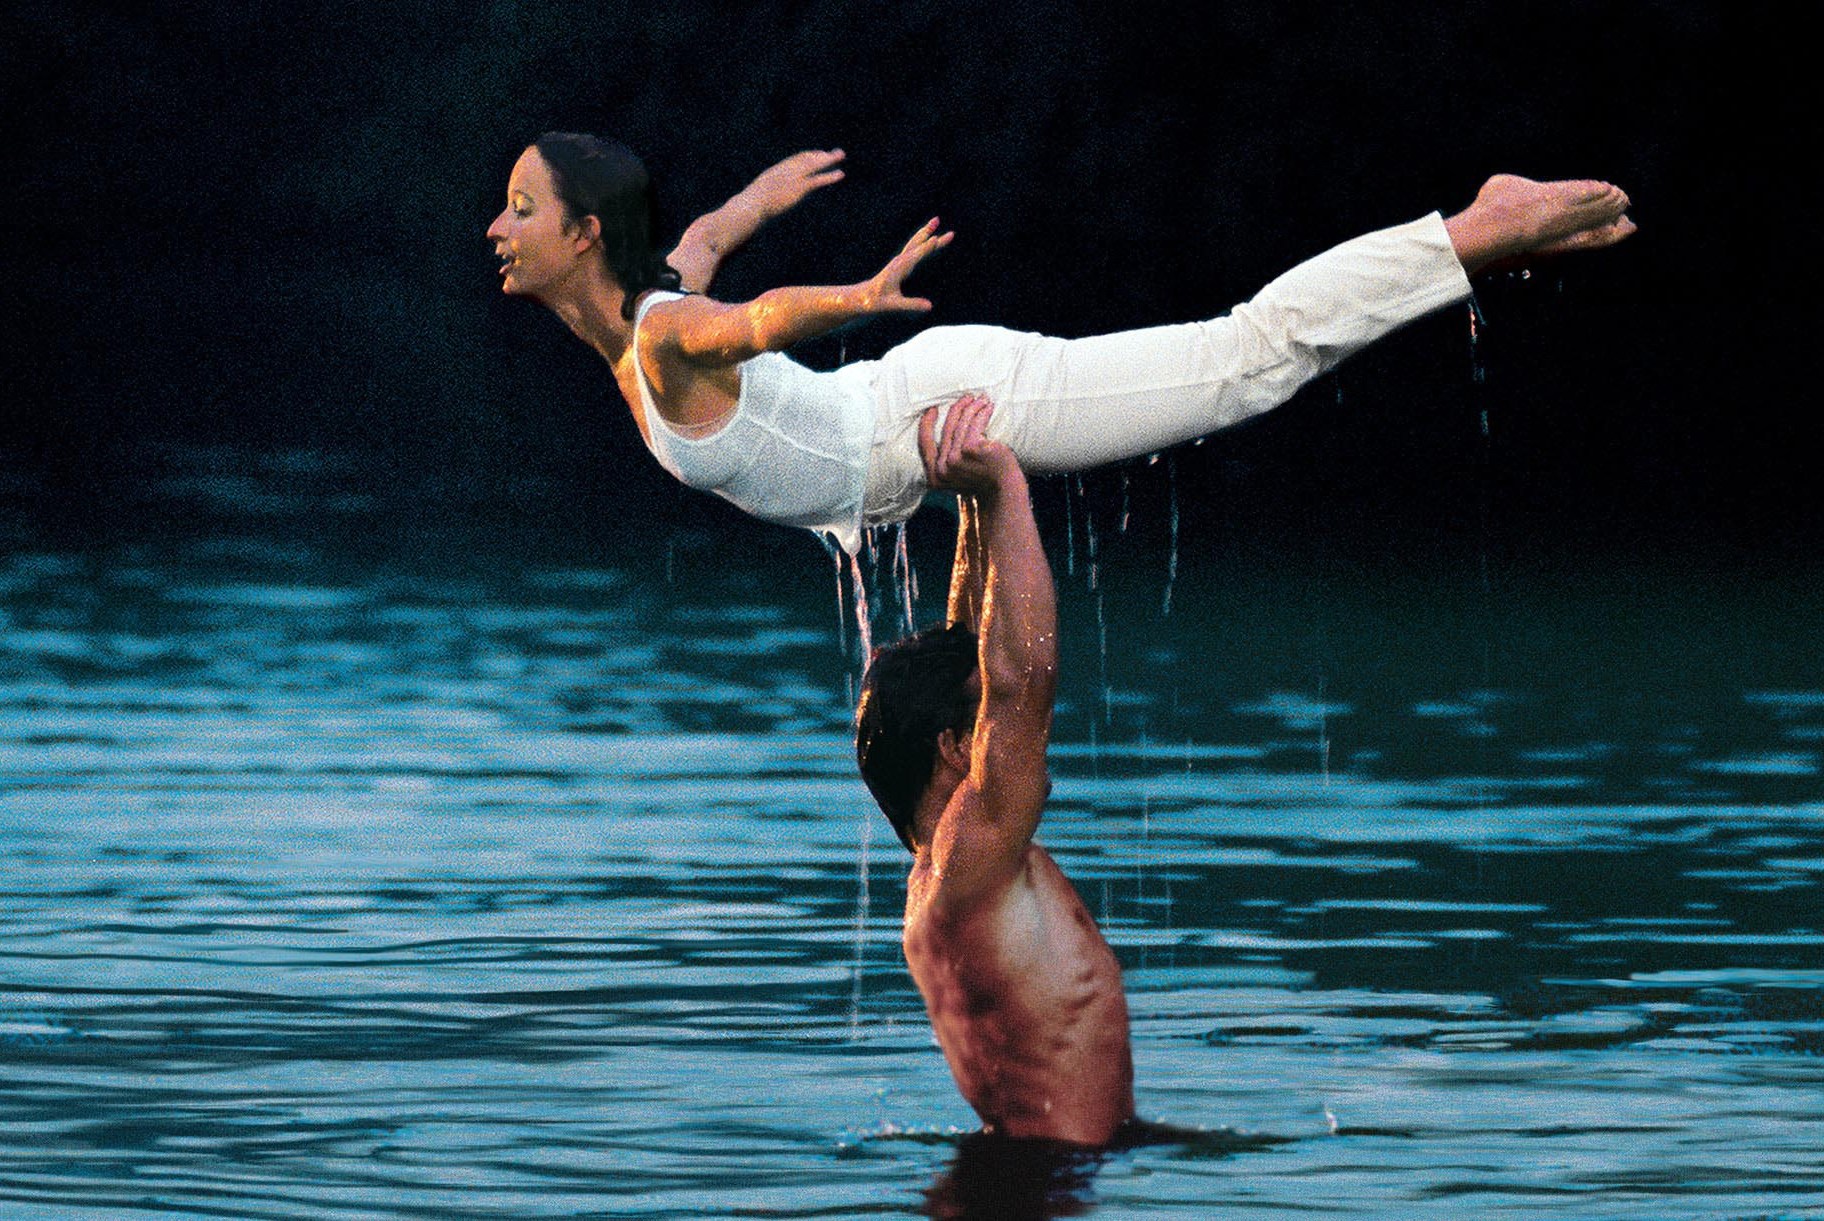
(710, 333)
(884, 294)
(713, 236)
(781, 186)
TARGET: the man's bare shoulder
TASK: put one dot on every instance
(976, 860)
(1006, 927)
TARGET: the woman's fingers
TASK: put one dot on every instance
(887, 291)
(820, 168)
(926, 241)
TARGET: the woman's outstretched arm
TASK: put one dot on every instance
(715, 235)
(713, 333)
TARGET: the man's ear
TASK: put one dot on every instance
(954, 749)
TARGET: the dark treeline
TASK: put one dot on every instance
(259, 225)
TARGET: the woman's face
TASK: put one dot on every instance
(537, 245)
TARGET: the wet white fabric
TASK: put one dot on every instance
(795, 451)
(1072, 404)
(837, 451)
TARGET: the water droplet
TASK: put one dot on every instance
(1171, 563)
(1476, 322)
(861, 926)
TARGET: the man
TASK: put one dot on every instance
(1023, 991)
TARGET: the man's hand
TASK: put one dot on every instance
(964, 459)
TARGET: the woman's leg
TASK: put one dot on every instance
(1073, 404)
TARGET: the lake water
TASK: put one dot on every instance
(473, 886)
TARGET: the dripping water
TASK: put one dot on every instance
(861, 926)
(1479, 380)
(858, 581)
(1323, 729)
(1146, 835)
(905, 581)
(1095, 586)
(1477, 373)
(1171, 563)
(864, 636)
(1485, 463)
(842, 620)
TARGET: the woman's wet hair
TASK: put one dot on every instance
(603, 179)
(914, 690)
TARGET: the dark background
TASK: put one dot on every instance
(244, 229)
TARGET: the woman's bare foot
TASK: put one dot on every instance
(1513, 218)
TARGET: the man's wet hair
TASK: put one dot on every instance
(914, 690)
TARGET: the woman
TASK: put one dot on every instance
(721, 407)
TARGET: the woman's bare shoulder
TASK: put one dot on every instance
(663, 321)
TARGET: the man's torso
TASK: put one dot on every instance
(1026, 999)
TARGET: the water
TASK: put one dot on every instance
(423, 888)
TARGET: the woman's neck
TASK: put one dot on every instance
(594, 316)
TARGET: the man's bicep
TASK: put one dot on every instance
(981, 841)
(1008, 768)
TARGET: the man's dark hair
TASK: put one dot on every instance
(914, 690)
(603, 179)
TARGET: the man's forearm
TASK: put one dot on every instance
(1019, 609)
(966, 567)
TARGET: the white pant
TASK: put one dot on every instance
(1072, 404)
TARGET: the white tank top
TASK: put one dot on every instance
(795, 451)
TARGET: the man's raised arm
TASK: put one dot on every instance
(982, 836)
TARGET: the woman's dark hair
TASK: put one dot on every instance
(603, 179)
(914, 690)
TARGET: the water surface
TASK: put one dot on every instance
(479, 886)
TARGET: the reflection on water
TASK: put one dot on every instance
(486, 888)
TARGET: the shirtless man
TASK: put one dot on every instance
(1023, 992)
